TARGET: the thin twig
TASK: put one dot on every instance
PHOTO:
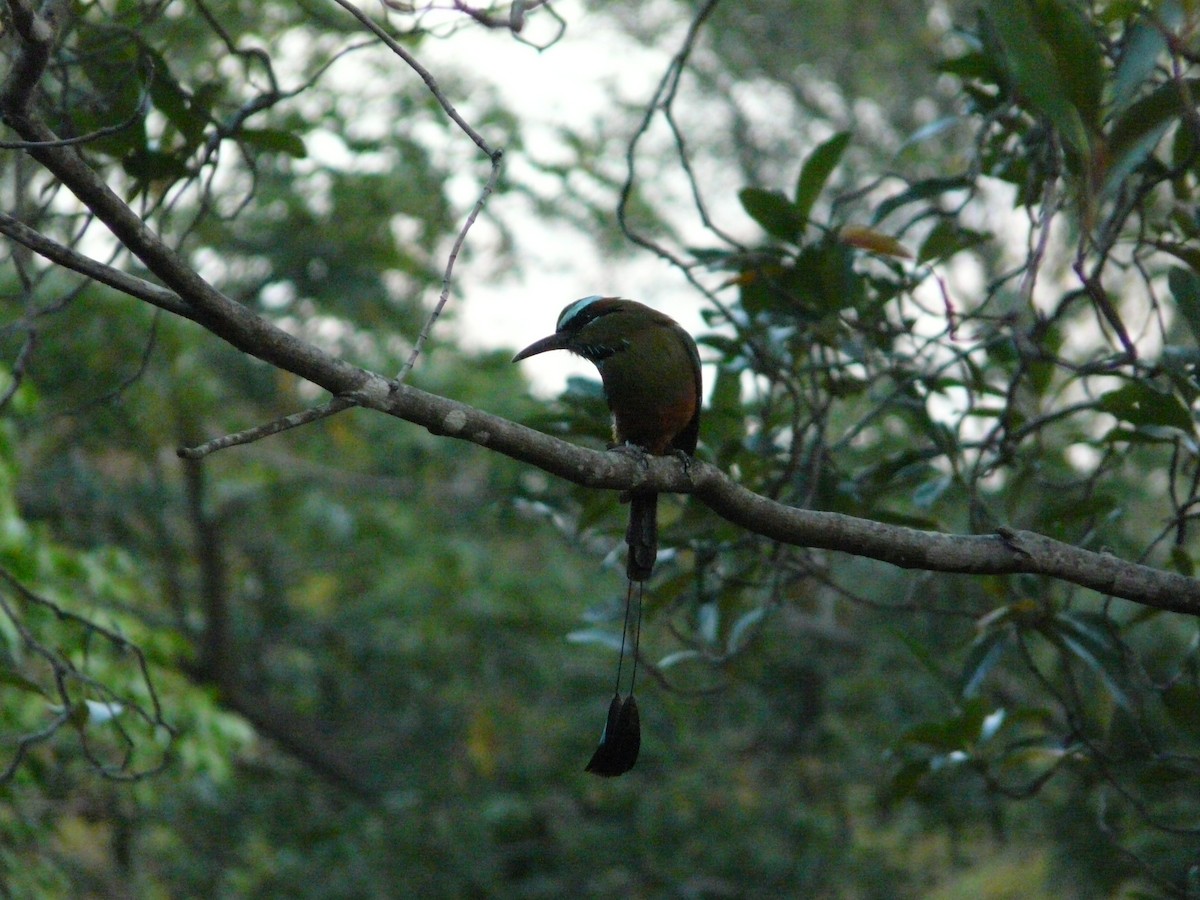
(139, 112)
(338, 404)
(663, 96)
(258, 432)
(65, 672)
(450, 261)
(64, 256)
(19, 367)
(1099, 296)
(426, 76)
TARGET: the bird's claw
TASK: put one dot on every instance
(635, 452)
(629, 449)
(685, 460)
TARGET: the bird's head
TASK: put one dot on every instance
(594, 327)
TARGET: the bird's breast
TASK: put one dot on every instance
(651, 390)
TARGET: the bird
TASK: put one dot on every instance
(650, 372)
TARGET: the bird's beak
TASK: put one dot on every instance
(556, 341)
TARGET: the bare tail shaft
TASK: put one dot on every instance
(642, 536)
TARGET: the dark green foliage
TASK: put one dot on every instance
(381, 657)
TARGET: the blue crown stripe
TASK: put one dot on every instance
(575, 309)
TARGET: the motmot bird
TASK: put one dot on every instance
(650, 371)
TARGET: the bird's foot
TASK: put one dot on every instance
(635, 452)
(628, 448)
(685, 460)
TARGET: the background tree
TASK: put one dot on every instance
(964, 304)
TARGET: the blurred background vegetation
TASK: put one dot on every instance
(948, 271)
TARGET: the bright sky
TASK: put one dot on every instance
(587, 80)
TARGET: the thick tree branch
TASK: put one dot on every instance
(1021, 552)
(1007, 553)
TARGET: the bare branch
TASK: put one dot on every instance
(494, 154)
(136, 116)
(220, 665)
(904, 547)
(19, 367)
(426, 76)
(202, 303)
(450, 261)
(1010, 553)
(135, 287)
(258, 432)
(1099, 296)
(664, 95)
(38, 29)
(1007, 553)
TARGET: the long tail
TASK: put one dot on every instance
(642, 536)
(622, 736)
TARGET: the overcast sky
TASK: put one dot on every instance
(592, 75)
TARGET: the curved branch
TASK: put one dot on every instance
(1007, 552)
(1004, 553)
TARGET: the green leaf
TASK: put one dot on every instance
(1144, 44)
(1135, 134)
(959, 731)
(1055, 68)
(274, 140)
(874, 241)
(1141, 404)
(725, 421)
(1078, 55)
(946, 239)
(917, 191)
(172, 101)
(973, 64)
(730, 349)
(738, 633)
(773, 211)
(1088, 637)
(715, 257)
(992, 723)
(708, 621)
(1185, 286)
(1118, 10)
(154, 165)
(596, 636)
(815, 172)
(101, 712)
(825, 278)
(982, 657)
(674, 659)
(929, 492)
